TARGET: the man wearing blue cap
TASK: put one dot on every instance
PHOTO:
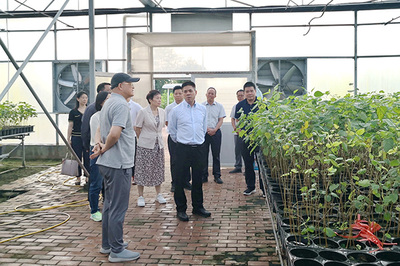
(116, 150)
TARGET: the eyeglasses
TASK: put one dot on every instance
(128, 83)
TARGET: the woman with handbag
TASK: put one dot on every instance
(149, 168)
(74, 130)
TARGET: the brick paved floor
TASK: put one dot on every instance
(239, 231)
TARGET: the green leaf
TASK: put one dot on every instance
(329, 232)
(388, 144)
(328, 198)
(378, 208)
(387, 216)
(364, 183)
(318, 94)
(380, 111)
(395, 163)
(360, 131)
(333, 187)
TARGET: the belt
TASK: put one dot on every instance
(191, 145)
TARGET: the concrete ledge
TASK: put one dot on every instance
(36, 151)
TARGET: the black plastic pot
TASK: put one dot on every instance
(332, 255)
(357, 257)
(303, 253)
(306, 262)
(335, 263)
(391, 256)
(325, 243)
(352, 244)
(298, 240)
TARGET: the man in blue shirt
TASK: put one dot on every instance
(187, 126)
(248, 105)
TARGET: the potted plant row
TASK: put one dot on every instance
(13, 116)
(332, 163)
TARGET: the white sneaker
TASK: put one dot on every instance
(140, 201)
(161, 199)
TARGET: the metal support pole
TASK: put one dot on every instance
(91, 52)
(355, 53)
(23, 151)
(19, 71)
(42, 106)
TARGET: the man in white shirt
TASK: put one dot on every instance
(178, 98)
(238, 144)
(187, 126)
(215, 118)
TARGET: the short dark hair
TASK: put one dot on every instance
(100, 98)
(188, 83)
(239, 91)
(177, 87)
(151, 95)
(249, 84)
(212, 88)
(102, 86)
(79, 96)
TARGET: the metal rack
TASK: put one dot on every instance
(18, 136)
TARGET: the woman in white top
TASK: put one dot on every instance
(96, 179)
(149, 168)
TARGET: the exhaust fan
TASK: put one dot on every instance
(282, 74)
(69, 79)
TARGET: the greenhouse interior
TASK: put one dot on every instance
(319, 142)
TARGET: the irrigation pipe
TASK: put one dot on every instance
(19, 209)
(40, 231)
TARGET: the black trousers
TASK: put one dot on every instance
(194, 157)
(215, 143)
(248, 158)
(173, 159)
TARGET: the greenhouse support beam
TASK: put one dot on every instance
(355, 53)
(91, 51)
(19, 71)
(42, 106)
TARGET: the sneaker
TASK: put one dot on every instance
(140, 201)
(248, 192)
(160, 199)
(96, 216)
(125, 255)
(108, 250)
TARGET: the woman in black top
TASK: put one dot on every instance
(74, 128)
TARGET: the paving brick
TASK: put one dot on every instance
(238, 224)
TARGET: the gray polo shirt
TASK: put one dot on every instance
(214, 112)
(115, 112)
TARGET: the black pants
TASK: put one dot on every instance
(194, 157)
(173, 159)
(248, 158)
(215, 143)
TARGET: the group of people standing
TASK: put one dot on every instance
(126, 142)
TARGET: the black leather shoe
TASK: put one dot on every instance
(182, 216)
(236, 170)
(172, 188)
(188, 186)
(202, 212)
(218, 180)
(205, 180)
